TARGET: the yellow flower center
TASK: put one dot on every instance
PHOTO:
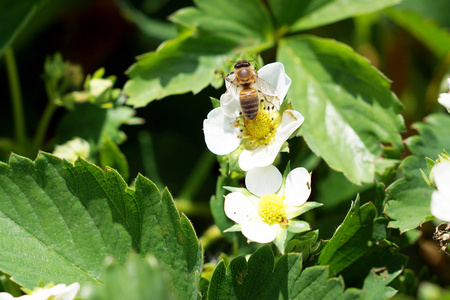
(261, 130)
(260, 127)
(272, 209)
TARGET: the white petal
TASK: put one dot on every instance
(263, 180)
(290, 121)
(275, 74)
(441, 174)
(70, 292)
(265, 155)
(440, 206)
(220, 133)
(258, 231)
(239, 208)
(260, 157)
(6, 296)
(444, 99)
(229, 102)
(298, 187)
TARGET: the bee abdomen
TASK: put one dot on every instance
(249, 103)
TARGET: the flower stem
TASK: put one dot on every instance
(16, 99)
(148, 158)
(198, 176)
(43, 124)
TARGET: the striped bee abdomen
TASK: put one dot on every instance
(249, 101)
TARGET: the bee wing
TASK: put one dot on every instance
(230, 79)
(267, 89)
(229, 101)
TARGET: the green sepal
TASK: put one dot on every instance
(307, 207)
(425, 177)
(215, 102)
(298, 226)
(280, 240)
(430, 163)
(234, 228)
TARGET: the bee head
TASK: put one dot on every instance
(242, 64)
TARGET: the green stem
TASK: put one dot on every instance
(43, 124)
(198, 176)
(148, 158)
(16, 98)
(211, 235)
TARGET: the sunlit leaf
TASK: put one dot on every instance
(348, 108)
(410, 204)
(64, 220)
(215, 34)
(307, 14)
(260, 278)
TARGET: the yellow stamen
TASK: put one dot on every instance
(272, 209)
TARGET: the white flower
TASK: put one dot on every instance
(57, 292)
(260, 139)
(444, 98)
(265, 210)
(440, 199)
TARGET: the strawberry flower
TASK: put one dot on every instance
(264, 211)
(259, 140)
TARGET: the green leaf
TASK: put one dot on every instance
(376, 284)
(110, 155)
(259, 279)
(428, 32)
(409, 206)
(307, 14)
(151, 27)
(61, 221)
(89, 122)
(139, 278)
(213, 34)
(230, 19)
(351, 240)
(353, 250)
(411, 195)
(438, 11)
(348, 108)
(14, 17)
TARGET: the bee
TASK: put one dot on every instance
(245, 77)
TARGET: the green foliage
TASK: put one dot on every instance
(63, 222)
(301, 15)
(138, 278)
(436, 38)
(348, 107)
(14, 18)
(182, 64)
(260, 278)
(357, 250)
(73, 217)
(410, 204)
